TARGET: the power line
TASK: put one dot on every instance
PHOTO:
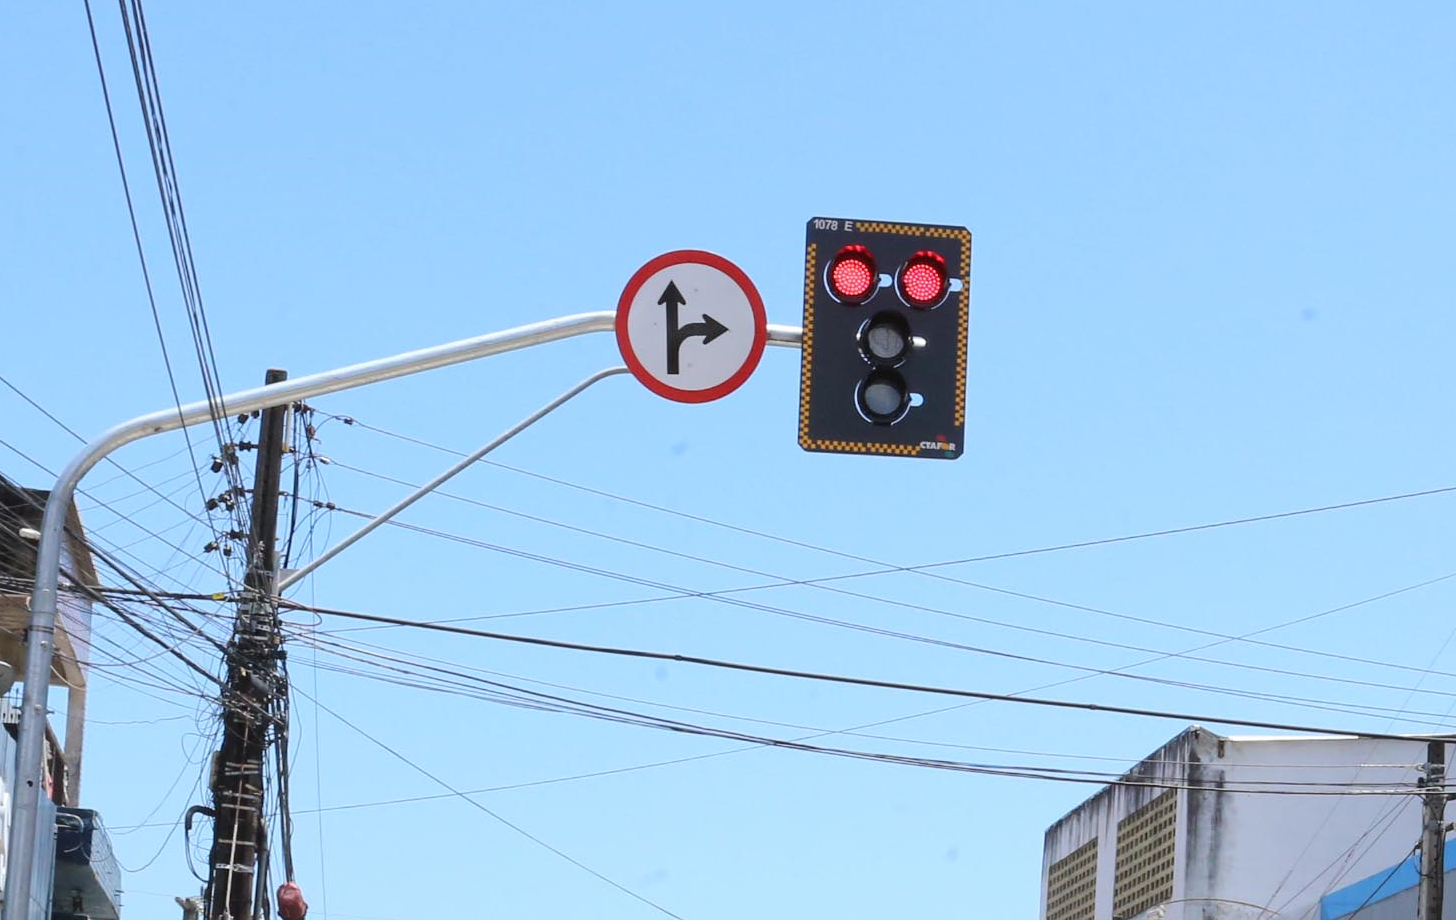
(1051, 774)
(824, 582)
(509, 694)
(501, 819)
(50, 472)
(1264, 696)
(944, 643)
(141, 257)
(125, 573)
(164, 167)
(844, 679)
(782, 581)
(79, 585)
(391, 654)
(1160, 654)
(889, 569)
(1345, 708)
(756, 742)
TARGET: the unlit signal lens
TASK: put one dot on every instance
(883, 397)
(885, 339)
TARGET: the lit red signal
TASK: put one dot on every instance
(923, 280)
(852, 275)
(853, 278)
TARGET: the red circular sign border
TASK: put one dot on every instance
(755, 303)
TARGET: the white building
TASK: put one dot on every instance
(74, 872)
(1253, 828)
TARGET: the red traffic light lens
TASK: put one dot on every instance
(923, 280)
(852, 276)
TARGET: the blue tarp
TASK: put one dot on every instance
(1378, 887)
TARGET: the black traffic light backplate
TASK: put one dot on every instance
(835, 363)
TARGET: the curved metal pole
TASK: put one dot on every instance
(384, 517)
(40, 642)
(40, 639)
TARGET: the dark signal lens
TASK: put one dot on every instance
(883, 397)
(852, 276)
(923, 279)
(885, 339)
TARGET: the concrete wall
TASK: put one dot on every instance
(1285, 852)
(1243, 856)
(1099, 815)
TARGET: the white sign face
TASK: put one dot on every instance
(691, 326)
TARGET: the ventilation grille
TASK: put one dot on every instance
(1072, 884)
(1145, 841)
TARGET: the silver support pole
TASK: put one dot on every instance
(295, 575)
(786, 336)
(40, 638)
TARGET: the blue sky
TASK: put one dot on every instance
(1212, 280)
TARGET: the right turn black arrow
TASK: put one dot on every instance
(709, 328)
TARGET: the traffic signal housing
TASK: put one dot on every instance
(886, 312)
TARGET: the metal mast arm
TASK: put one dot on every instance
(292, 577)
(40, 639)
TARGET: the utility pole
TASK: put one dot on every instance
(1433, 833)
(252, 682)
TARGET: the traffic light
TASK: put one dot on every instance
(886, 307)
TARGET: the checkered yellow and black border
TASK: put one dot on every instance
(963, 305)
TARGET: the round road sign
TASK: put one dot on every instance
(691, 326)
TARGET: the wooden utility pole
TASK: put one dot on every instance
(1433, 833)
(253, 681)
